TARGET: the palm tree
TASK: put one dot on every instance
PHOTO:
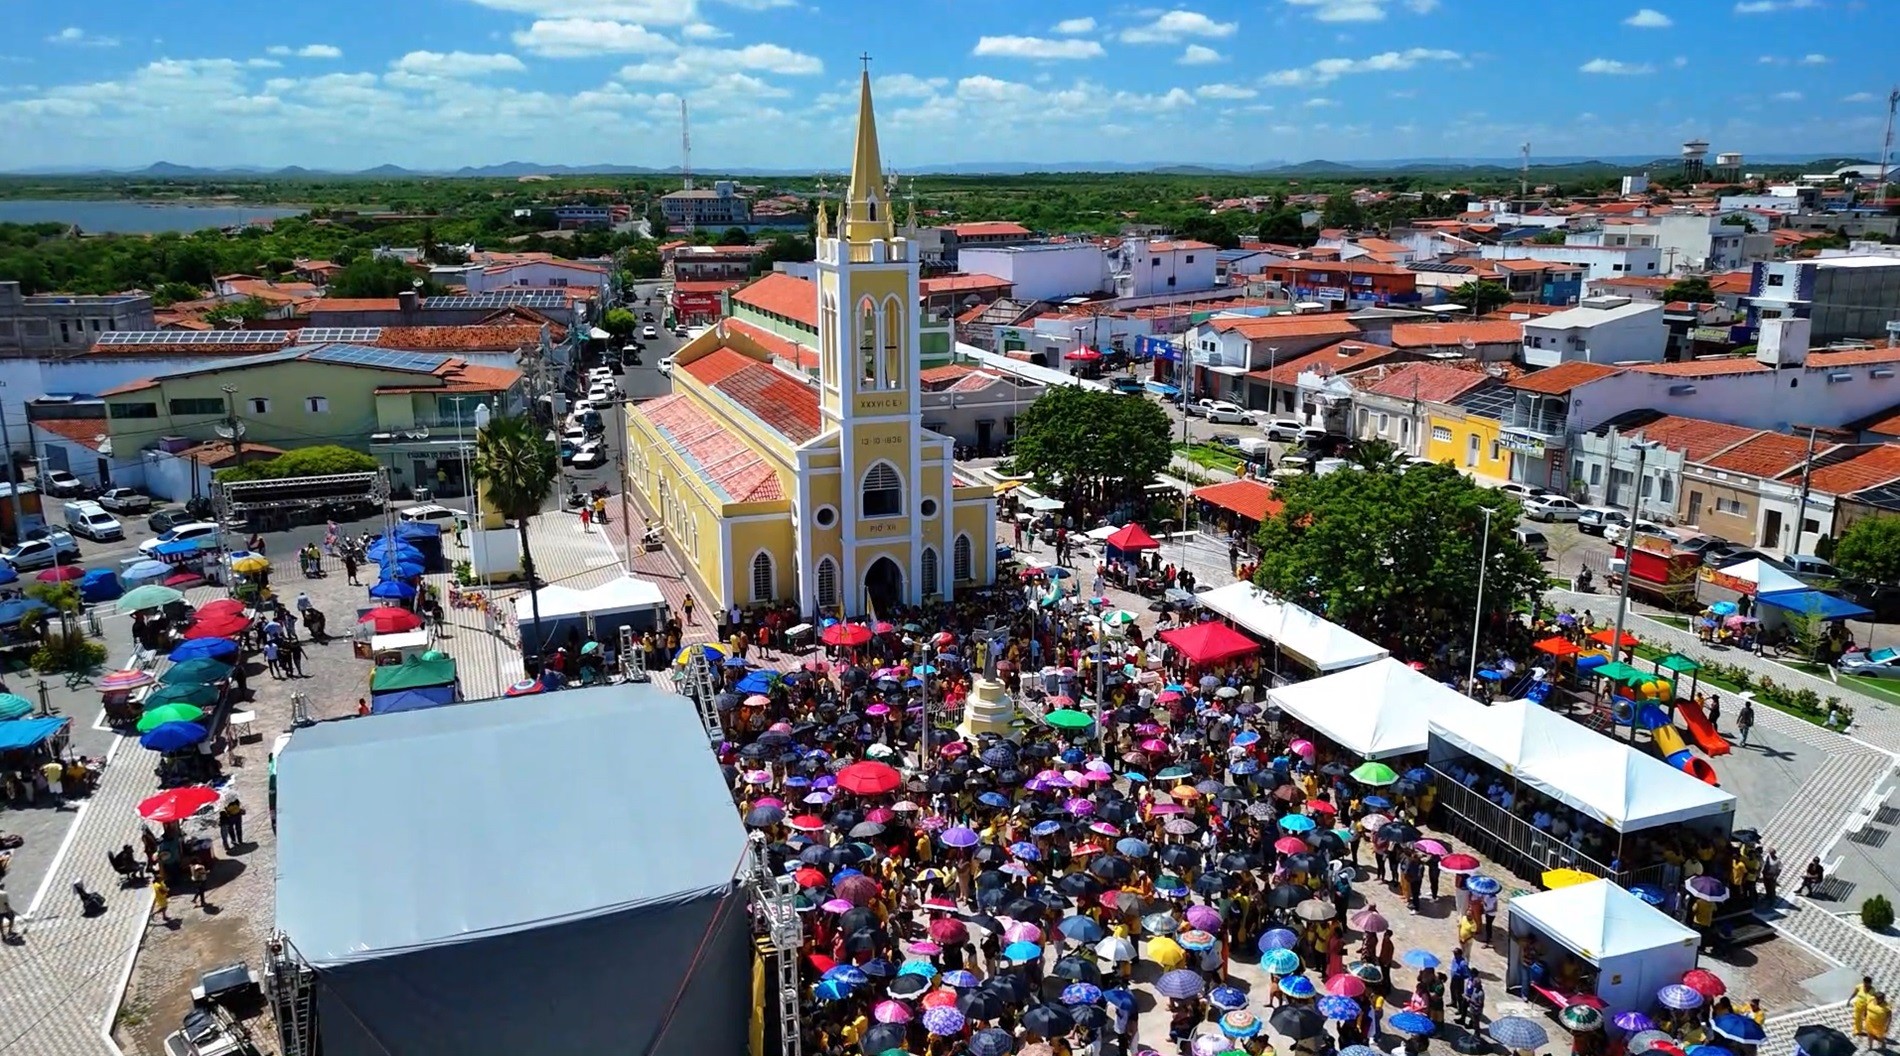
(519, 467)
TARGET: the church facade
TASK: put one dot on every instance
(825, 491)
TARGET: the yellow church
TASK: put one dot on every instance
(828, 492)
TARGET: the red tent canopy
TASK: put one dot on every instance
(1558, 647)
(1132, 537)
(1210, 642)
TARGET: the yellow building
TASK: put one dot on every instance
(825, 491)
(1467, 438)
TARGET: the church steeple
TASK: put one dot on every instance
(867, 211)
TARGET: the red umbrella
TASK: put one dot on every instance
(870, 778)
(1704, 982)
(859, 890)
(1291, 845)
(1320, 806)
(949, 932)
(61, 574)
(809, 877)
(1083, 355)
(525, 688)
(807, 823)
(217, 627)
(1459, 863)
(391, 620)
(183, 579)
(1605, 635)
(1345, 985)
(221, 607)
(884, 627)
(846, 634)
(177, 803)
(940, 999)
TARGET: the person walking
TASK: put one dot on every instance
(1879, 1015)
(200, 875)
(1472, 1015)
(231, 825)
(271, 660)
(1744, 721)
(293, 656)
(6, 915)
(686, 606)
(349, 567)
(1863, 996)
(1770, 875)
(161, 898)
(587, 518)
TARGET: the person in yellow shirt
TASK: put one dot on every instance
(1863, 994)
(1879, 1014)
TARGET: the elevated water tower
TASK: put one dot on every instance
(1728, 166)
(1693, 154)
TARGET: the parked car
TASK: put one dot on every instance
(590, 456)
(1521, 491)
(1127, 386)
(679, 331)
(1883, 598)
(186, 531)
(92, 521)
(649, 332)
(1551, 508)
(1880, 663)
(1700, 545)
(1594, 519)
(430, 511)
(162, 521)
(1225, 440)
(61, 483)
(42, 553)
(1416, 461)
(124, 500)
(1533, 540)
(1810, 569)
(1732, 554)
(1616, 533)
(1284, 429)
(666, 366)
(1292, 466)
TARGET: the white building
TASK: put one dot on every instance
(1161, 268)
(537, 273)
(1687, 241)
(1598, 261)
(1636, 185)
(1047, 271)
(1598, 330)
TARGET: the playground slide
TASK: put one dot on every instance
(1701, 730)
(1674, 751)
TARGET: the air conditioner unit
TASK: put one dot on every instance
(1682, 390)
(1840, 375)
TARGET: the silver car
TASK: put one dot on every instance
(1881, 663)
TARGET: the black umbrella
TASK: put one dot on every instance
(1179, 856)
(990, 879)
(1009, 775)
(940, 781)
(1472, 1044)
(992, 899)
(908, 986)
(864, 830)
(845, 820)
(863, 941)
(1022, 909)
(998, 756)
(1129, 713)
(774, 738)
(755, 750)
(1404, 832)
(1052, 902)
(1286, 896)
(1079, 885)
(1212, 883)
(1298, 1023)
(813, 855)
(883, 1036)
(984, 921)
(1239, 861)
(981, 1004)
(1262, 811)
(1077, 970)
(1326, 841)
(857, 918)
(1231, 794)
(1113, 868)
(1745, 836)
(1052, 1021)
(1119, 811)
(1037, 750)
(1817, 1040)
(1402, 787)
(838, 857)
(1335, 769)
(1302, 863)
(992, 1042)
(1091, 1017)
(1012, 987)
(990, 854)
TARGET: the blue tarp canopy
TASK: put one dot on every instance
(13, 610)
(1814, 603)
(25, 733)
(411, 699)
(410, 531)
(100, 584)
(179, 549)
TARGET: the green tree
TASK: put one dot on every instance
(656, 221)
(1553, 237)
(378, 277)
(1869, 551)
(643, 262)
(1342, 211)
(518, 469)
(249, 309)
(1088, 443)
(172, 292)
(1394, 554)
(1697, 290)
(1482, 296)
(322, 460)
(618, 322)
(1283, 226)
(734, 236)
(1210, 229)
(789, 248)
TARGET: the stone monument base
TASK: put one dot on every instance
(988, 709)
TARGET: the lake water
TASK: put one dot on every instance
(132, 217)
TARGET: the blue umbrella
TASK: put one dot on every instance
(1360, 1050)
(1709, 1050)
(849, 974)
(173, 736)
(381, 550)
(1651, 894)
(1246, 739)
(1179, 984)
(392, 588)
(1482, 885)
(1028, 852)
(829, 990)
(756, 682)
(1410, 1024)
(993, 799)
(1297, 823)
(735, 662)
(1280, 962)
(1278, 939)
(1377, 803)
(1298, 987)
(1243, 768)
(1227, 998)
(1081, 994)
(13, 610)
(147, 569)
(1120, 998)
(991, 1042)
(1419, 959)
(877, 968)
(1046, 828)
(1343, 1009)
(1739, 1028)
(1724, 608)
(1081, 929)
(960, 979)
(1132, 847)
(1679, 997)
(14, 706)
(400, 566)
(1516, 1032)
(1021, 951)
(921, 969)
(204, 649)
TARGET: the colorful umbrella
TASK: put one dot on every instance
(204, 649)
(196, 673)
(1458, 864)
(173, 736)
(1516, 1032)
(1704, 982)
(198, 695)
(1679, 997)
(1240, 1023)
(217, 626)
(846, 634)
(149, 596)
(131, 678)
(61, 574)
(869, 778)
(1375, 774)
(1581, 1017)
(251, 565)
(165, 713)
(177, 803)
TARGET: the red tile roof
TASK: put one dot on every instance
(961, 282)
(1560, 379)
(1430, 382)
(1248, 498)
(497, 338)
(778, 400)
(1528, 310)
(1268, 327)
(1886, 423)
(707, 285)
(1340, 357)
(1851, 469)
(782, 295)
(987, 229)
(1695, 438)
(216, 453)
(86, 432)
(1440, 335)
(1712, 367)
(1856, 357)
(1185, 244)
(944, 375)
(722, 457)
(804, 357)
(355, 304)
(1766, 455)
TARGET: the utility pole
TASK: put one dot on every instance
(626, 482)
(1801, 507)
(1629, 549)
(13, 476)
(231, 421)
(1477, 611)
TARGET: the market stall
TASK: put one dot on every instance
(1610, 946)
(1315, 643)
(603, 610)
(1210, 642)
(1375, 711)
(417, 672)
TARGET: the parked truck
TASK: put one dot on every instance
(30, 511)
(1656, 569)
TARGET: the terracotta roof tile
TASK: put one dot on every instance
(1438, 335)
(1696, 438)
(1527, 310)
(1262, 328)
(86, 432)
(1340, 357)
(721, 456)
(1560, 379)
(804, 357)
(216, 453)
(496, 338)
(987, 229)
(1885, 423)
(1848, 469)
(707, 285)
(778, 400)
(961, 282)
(1430, 382)
(944, 375)
(1248, 498)
(782, 295)
(1766, 455)
(1712, 367)
(1858, 357)
(355, 304)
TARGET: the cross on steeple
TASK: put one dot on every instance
(865, 58)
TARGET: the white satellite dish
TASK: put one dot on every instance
(230, 432)
(421, 433)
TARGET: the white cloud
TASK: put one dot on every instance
(1859, 97)
(1176, 24)
(1319, 100)
(1036, 48)
(644, 12)
(703, 31)
(1763, 7)
(1360, 10)
(1789, 97)
(455, 64)
(1326, 70)
(1815, 58)
(73, 36)
(569, 38)
(1771, 60)
(1679, 61)
(1616, 67)
(697, 64)
(308, 51)
(906, 86)
(1200, 55)
(1073, 26)
(1224, 91)
(1649, 18)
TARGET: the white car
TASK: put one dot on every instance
(1615, 534)
(1551, 508)
(1521, 491)
(42, 553)
(589, 456)
(649, 332)
(183, 532)
(124, 500)
(1283, 429)
(600, 394)
(429, 511)
(666, 366)
(1221, 412)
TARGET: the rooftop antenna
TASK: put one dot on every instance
(1524, 178)
(1886, 145)
(686, 146)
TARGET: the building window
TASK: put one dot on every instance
(927, 571)
(1775, 280)
(962, 565)
(1596, 473)
(132, 410)
(1496, 451)
(827, 582)
(1384, 420)
(1441, 435)
(181, 408)
(1732, 507)
(928, 508)
(762, 578)
(316, 404)
(825, 517)
(883, 493)
(258, 404)
(1188, 259)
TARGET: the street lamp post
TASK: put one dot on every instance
(1477, 612)
(478, 528)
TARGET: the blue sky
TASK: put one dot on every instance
(442, 83)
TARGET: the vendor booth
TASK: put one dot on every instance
(417, 672)
(1753, 576)
(1611, 797)
(622, 602)
(1621, 950)
(1809, 604)
(1209, 642)
(387, 649)
(1314, 643)
(100, 584)
(411, 699)
(1375, 711)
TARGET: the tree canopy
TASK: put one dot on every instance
(1482, 296)
(378, 277)
(1393, 554)
(1081, 439)
(1692, 289)
(320, 461)
(1869, 550)
(618, 322)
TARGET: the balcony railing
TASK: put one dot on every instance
(1548, 425)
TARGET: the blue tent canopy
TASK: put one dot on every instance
(413, 530)
(13, 610)
(411, 699)
(25, 733)
(1814, 603)
(100, 584)
(181, 549)
(392, 588)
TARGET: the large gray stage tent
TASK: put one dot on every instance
(547, 874)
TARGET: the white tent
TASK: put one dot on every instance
(1606, 779)
(1766, 577)
(1318, 643)
(625, 594)
(1637, 948)
(1375, 710)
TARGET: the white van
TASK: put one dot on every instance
(92, 521)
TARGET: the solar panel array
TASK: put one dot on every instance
(499, 299)
(327, 335)
(361, 356)
(192, 337)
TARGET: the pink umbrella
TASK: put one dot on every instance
(1291, 845)
(1079, 806)
(1105, 828)
(1303, 749)
(1205, 918)
(1168, 696)
(757, 700)
(768, 801)
(1369, 920)
(1162, 810)
(1345, 985)
(837, 905)
(1099, 777)
(1372, 822)
(1097, 766)
(1061, 701)
(1431, 847)
(1154, 744)
(880, 815)
(925, 948)
(891, 1012)
(1022, 931)
(816, 666)
(758, 777)
(1148, 729)
(878, 710)
(1459, 864)
(1053, 779)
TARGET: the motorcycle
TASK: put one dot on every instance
(1586, 583)
(574, 501)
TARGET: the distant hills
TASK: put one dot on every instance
(1317, 167)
